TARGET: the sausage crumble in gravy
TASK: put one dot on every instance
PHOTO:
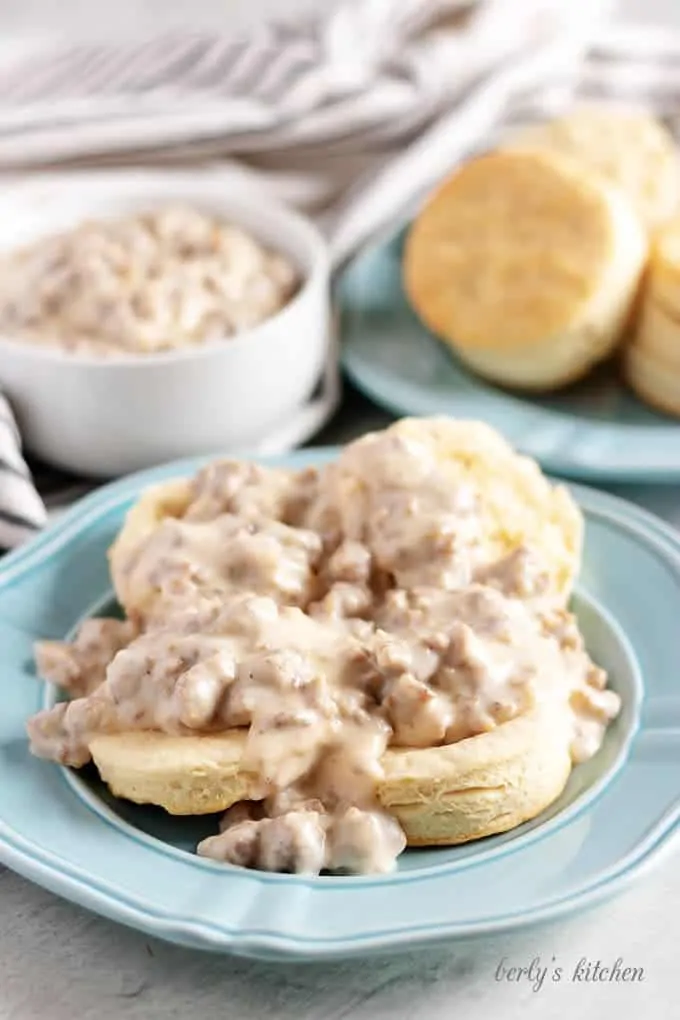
(331, 623)
(167, 279)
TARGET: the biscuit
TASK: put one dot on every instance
(440, 796)
(626, 146)
(662, 283)
(657, 336)
(655, 380)
(321, 711)
(519, 505)
(652, 358)
(526, 266)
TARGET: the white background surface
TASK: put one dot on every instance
(58, 961)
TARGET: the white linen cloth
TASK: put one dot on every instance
(351, 115)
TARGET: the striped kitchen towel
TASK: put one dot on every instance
(352, 114)
(22, 509)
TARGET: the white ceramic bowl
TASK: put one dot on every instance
(107, 417)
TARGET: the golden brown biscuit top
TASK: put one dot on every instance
(508, 250)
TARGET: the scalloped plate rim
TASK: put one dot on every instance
(34, 862)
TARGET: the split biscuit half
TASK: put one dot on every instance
(441, 796)
(520, 506)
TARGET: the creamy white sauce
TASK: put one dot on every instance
(168, 279)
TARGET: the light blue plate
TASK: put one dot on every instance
(136, 865)
(594, 431)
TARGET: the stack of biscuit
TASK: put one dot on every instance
(625, 146)
(529, 261)
(652, 358)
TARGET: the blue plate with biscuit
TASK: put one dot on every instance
(596, 430)
(137, 865)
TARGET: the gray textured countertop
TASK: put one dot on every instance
(57, 960)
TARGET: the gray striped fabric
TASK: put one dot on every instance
(352, 116)
(22, 510)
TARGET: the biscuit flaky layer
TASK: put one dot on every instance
(655, 379)
(526, 266)
(441, 796)
(657, 336)
(652, 358)
(662, 284)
